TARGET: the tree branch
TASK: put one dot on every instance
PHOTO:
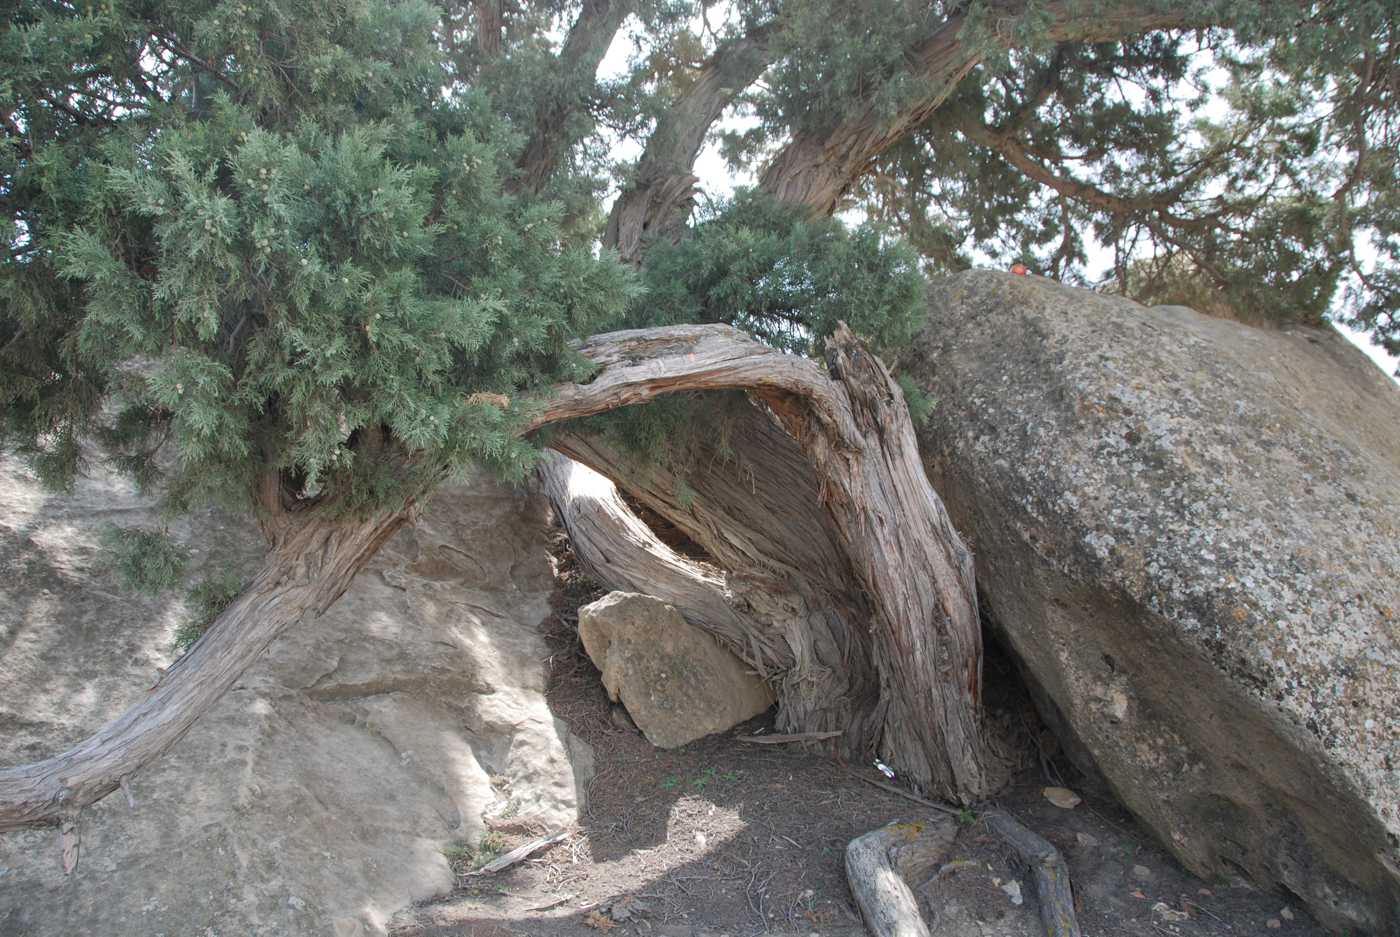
(657, 203)
(583, 50)
(817, 167)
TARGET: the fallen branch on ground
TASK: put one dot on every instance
(880, 864)
(519, 853)
(1047, 867)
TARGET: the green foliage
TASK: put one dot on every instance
(464, 857)
(146, 561)
(920, 403)
(307, 260)
(258, 237)
(206, 602)
(784, 278)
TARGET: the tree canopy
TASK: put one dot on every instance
(340, 243)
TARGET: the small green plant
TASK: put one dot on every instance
(967, 816)
(457, 853)
(492, 845)
(206, 601)
(671, 783)
(464, 857)
(921, 405)
(147, 561)
(704, 778)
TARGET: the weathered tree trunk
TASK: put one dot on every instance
(756, 512)
(311, 563)
(850, 422)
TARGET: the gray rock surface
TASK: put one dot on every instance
(1187, 530)
(315, 797)
(676, 682)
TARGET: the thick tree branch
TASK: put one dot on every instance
(657, 203)
(584, 48)
(817, 167)
(303, 575)
(750, 506)
(616, 549)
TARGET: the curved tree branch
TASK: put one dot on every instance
(817, 167)
(583, 50)
(850, 420)
(657, 203)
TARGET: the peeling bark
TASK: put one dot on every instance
(755, 511)
(851, 423)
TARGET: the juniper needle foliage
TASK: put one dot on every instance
(339, 242)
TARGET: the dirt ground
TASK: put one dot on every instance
(724, 837)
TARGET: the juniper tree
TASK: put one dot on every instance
(309, 259)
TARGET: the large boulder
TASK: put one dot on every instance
(316, 797)
(677, 683)
(1188, 532)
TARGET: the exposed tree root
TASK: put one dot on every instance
(880, 864)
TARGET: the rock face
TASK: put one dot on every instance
(316, 796)
(1186, 530)
(676, 682)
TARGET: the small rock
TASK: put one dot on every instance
(1013, 891)
(700, 840)
(1086, 840)
(1142, 873)
(296, 904)
(1286, 914)
(1062, 797)
(1273, 923)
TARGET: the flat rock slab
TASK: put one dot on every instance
(1188, 531)
(677, 683)
(316, 797)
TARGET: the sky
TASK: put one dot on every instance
(718, 180)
